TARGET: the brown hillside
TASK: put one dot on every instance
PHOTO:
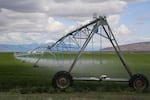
(137, 47)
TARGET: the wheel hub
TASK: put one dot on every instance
(139, 83)
(62, 81)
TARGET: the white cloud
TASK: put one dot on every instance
(24, 5)
(55, 26)
(55, 30)
(24, 38)
(65, 8)
(123, 30)
(83, 22)
(134, 0)
(118, 29)
(23, 22)
(147, 38)
(114, 20)
(78, 8)
(28, 21)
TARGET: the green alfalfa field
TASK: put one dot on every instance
(17, 77)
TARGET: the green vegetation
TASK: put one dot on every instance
(76, 96)
(15, 74)
(19, 77)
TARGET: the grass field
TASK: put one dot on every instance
(18, 77)
(76, 96)
(110, 64)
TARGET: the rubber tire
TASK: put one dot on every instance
(139, 79)
(62, 80)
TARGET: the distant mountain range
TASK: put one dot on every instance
(135, 47)
(29, 47)
(18, 48)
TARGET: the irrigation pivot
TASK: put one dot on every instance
(77, 41)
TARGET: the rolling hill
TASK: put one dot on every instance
(134, 47)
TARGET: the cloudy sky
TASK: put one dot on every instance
(43, 21)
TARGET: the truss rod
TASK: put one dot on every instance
(99, 34)
(84, 46)
(117, 49)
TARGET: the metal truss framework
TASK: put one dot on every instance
(77, 41)
(80, 38)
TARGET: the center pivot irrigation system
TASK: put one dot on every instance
(80, 38)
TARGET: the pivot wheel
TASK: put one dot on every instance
(138, 82)
(62, 80)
